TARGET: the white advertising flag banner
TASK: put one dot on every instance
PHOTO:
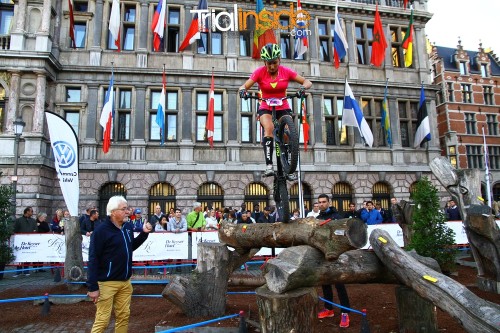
(65, 147)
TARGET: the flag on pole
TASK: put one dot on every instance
(301, 43)
(353, 116)
(386, 121)
(408, 41)
(423, 132)
(210, 118)
(71, 24)
(195, 28)
(114, 23)
(263, 33)
(405, 4)
(487, 171)
(107, 115)
(160, 113)
(339, 42)
(159, 23)
(305, 124)
(379, 42)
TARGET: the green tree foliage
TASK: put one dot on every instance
(6, 223)
(431, 237)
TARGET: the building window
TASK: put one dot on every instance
(451, 91)
(342, 196)
(364, 38)
(80, 6)
(171, 112)
(372, 111)
(463, 67)
(452, 155)
(107, 191)
(245, 47)
(124, 109)
(80, 34)
(466, 93)
(470, 123)
(491, 121)
(73, 94)
(488, 95)
(285, 38)
(474, 157)
(250, 128)
(381, 194)
(202, 100)
(210, 195)
(73, 118)
(307, 196)
(397, 51)
(256, 193)
(210, 42)
(163, 195)
(173, 28)
(325, 32)
(439, 97)
(6, 16)
(484, 70)
(407, 121)
(127, 28)
(336, 134)
(494, 157)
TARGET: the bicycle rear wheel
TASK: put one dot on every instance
(280, 193)
(288, 143)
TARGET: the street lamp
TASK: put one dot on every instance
(18, 131)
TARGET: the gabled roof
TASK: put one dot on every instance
(447, 53)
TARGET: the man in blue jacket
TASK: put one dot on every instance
(371, 215)
(110, 265)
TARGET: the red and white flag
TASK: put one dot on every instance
(114, 23)
(196, 26)
(107, 115)
(159, 23)
(210, 118)
(71, 24)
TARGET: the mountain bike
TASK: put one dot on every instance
(286, 142)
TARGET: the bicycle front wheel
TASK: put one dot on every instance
(288, 141)
(280, 193)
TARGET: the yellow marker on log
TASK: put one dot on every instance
(382, 239)
(430, 278)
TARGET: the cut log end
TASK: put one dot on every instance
(356, 232)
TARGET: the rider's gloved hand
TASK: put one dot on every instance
(301, 92)
(243, 94)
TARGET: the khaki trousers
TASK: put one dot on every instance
(117, 294)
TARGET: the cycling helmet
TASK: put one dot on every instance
(270, 52)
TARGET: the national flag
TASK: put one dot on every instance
(386, 120)
(263, 33)
(195, 28)
(305, 124)
(353, 116)
(71, 24)
(210, 118)
(159, 23)
(408, 41)
(405, 4)
(301, 43)
(339, 42)
(379, 42)
(114, 23)
(160, 113)
(423, 132)
(107, 115)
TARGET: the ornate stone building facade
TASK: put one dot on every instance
(41, 72)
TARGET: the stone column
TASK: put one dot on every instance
(140, 109)
(186, 145)
(232, 145)
(92, 119)
(43, 42)
(312, 51)
(17, 36)
(351, 52)
(38, 116)
(420, 56)
(96, 50)
(187, 55)
(318, 144)
(15, 82)
(57, 30)
(142, 51)
(388, 66)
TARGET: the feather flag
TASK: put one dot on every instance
(353, 116)
(107, 115)
(210, 118)
(114, 23)
(71, 24)
(159, 23)
(423, 132)
(160, 113)
(196, 26)
(263, 33)
(386, 120)
(339, 42)
(305, 124)
(379, 42)
(408, 41)
(301, 43)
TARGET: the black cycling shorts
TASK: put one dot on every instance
(279, 113)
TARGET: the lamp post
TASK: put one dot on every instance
(18, 131)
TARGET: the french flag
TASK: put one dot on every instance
(339, 42)
(107, 114)
(193, 33)
(159, 23)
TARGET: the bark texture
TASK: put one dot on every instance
(73, 263)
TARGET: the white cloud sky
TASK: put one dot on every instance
(471, 20)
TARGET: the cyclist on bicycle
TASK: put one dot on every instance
(272, 79)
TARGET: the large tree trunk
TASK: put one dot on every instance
(475, 314)
(294, 311)
(203, 293)
(73, 263)
(305, 266)
(332, 238)
(415, 313)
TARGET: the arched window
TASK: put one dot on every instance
(162, 194)
(413, 187)
(256, 193)
(294, 196)
(496, 192)
(211, 195)
(381, 193)
(106, 192)
(342, 196)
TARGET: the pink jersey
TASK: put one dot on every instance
(273, 87)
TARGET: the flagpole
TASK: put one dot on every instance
(299, 178)
(486, 171)
(163, 86)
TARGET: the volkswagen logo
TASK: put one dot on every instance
(64, 154)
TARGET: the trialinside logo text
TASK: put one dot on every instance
(238, 19)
